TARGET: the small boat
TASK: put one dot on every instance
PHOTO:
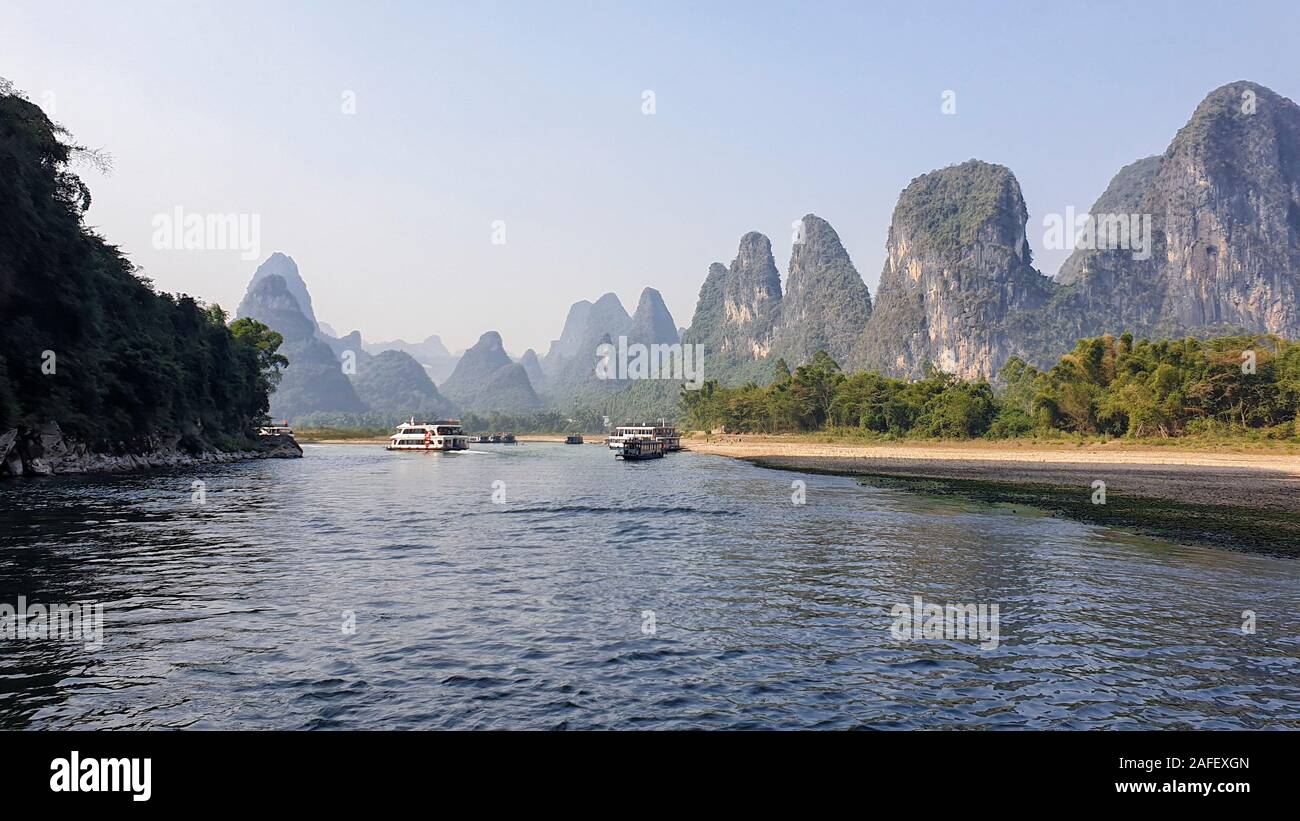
(573, 439)
(444, 434)
(485, 439)
(507, 438)
(634, 449)
(495, 438)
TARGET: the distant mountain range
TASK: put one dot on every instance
(1200, 240)
(327, 374)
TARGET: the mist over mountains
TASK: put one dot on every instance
(1203, 239)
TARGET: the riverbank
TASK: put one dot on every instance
(47, 451)
(1240, 500)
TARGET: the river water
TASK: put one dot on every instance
(551, 586)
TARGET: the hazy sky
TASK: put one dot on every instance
(532, 114)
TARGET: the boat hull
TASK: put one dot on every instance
(422, 448)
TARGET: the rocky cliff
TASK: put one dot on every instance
(958, 267)
(1124, 195)
(1225, 208)
(737, 311)
(1202, 239)
(826, 304)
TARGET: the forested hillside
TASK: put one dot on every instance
(85, 341)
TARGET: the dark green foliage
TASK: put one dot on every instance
(1105, 386)
(1173, 387)
(951, 207)
(127, 361)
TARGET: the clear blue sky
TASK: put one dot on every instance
(531, 113)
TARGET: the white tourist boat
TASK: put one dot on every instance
(444, 434)
(663, 433)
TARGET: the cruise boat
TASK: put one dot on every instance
(663, 433)
(444, 434)
(635, 448)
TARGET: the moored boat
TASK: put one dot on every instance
(573, 439)
(442, 435)
(662, 432)
(636, 449)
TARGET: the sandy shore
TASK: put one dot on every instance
(1246, 480)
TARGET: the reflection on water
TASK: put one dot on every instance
(239, 613)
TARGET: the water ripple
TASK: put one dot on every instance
(353, 589)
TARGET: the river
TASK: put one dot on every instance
(550, 586)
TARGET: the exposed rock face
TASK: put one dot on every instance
(1124, 195)
(46, 450)
(314, 380)
(1225, 203)
(751, 300)
(736, 314)
(826, 304)
(958, 267)
(393, 382)
(486, 380)
(651, 323)
(1213, 246)
(283, 266)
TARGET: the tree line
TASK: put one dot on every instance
(1112, 386)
